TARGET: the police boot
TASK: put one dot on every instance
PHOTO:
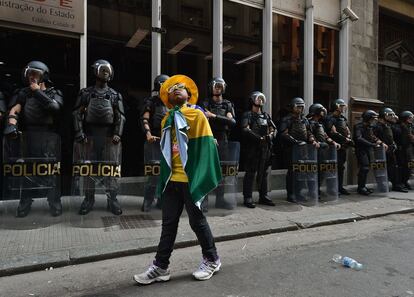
(87, 205)
(399, 188)
(248, 202)
(265, 200)
(55, 207)
(113, 204)
(24, 207)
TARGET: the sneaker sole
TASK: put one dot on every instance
(157, 279)
(209, 276)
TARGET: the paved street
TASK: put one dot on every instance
(293, 263)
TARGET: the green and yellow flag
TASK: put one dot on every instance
(197, 149)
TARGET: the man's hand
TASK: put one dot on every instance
(116, 139)
(337, 145)
(81, 138)
(385, 146)
(210, 114)
(34, 86)
(11, 131)
(316, 144)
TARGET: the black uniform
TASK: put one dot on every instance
(157, 110)
(404, 137)
(39, 110)
(340, 136)
(365, 140)
(3, 110)
(260, 131)
(385, 132)
(298, 131)
(99, 114)
(220, 126)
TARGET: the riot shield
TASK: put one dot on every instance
(31, 166)
(152, 157)
(305, 174)
(229, 153)
(328, 173)
(96, 166)
(378, 164)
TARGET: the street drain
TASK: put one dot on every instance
(128, 222)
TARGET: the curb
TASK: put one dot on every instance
(37, 262)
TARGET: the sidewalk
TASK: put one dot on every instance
(40, 241)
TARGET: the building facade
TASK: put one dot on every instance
(306, 48)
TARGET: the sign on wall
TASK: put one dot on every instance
(66, 15)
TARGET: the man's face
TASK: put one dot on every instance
(218, 88)
(410, 120)
(391, 117)
(177, 94)
(298, 109)
(342, 108)
(104, 72)
(34, 76)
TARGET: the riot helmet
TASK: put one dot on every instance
(406, 116)
(159, 80)
(369, 116)
(338, 104)
(317, 109)
(217, 83)
(103, 70)
(297, 105)
(388, 114)
(35, 71)
(257, 99)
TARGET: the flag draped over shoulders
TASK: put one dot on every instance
(197, 149)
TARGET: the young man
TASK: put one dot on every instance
(221, 117)
(34, 111)
(190, 169)
(152, 114)
(99, 114)
(259, 130)
(365, 140)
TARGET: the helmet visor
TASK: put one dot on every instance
(259, 100)
(33, 75)
(104, 72)
(219, 86)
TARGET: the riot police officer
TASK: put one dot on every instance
(99, 114)
(295, 130)
(365, 140)
(317, 113)
(336, 126)
(33, 110)
(405, 141)
(152, 114)
(384, 130)
(260, 131)
(220, 113)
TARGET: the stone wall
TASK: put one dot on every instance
(364, 50)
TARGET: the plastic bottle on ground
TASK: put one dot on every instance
(347, 262)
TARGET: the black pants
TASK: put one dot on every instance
(175, 197)
(256, 165)
(392, 169)
(404, 156)
(364, 160)
(341, 166)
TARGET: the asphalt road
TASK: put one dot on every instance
(296, 263)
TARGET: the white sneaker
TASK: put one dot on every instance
(153, 274)
(207, 269)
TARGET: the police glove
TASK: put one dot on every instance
(116, 139)
(11, 131)
(81, 138)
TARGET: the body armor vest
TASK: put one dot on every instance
(159, 111)
(34, 114)
(318, 131)
(368, 133)
(387, 134)
(341, 125)
(298, 129)
(407, 134)
(99, 109)
(258, 123)
(218, 109)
